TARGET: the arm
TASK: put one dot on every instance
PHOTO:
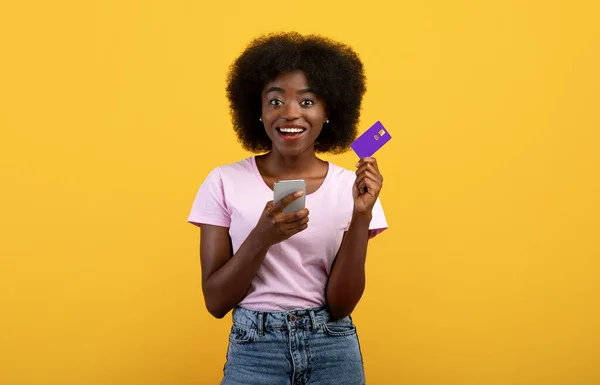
(347, 279)
(226, 277)
(346, 282)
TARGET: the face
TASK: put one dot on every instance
(292, 114)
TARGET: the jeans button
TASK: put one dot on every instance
(292, 318)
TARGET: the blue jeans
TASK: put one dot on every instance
(296, 347)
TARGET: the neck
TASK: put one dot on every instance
(295, 166)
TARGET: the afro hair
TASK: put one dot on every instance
(333, 70)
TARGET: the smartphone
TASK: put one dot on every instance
(371, 140)
(284, 188)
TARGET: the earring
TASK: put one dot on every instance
(260, 118)
(327, 121)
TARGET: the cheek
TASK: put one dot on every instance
(269, 115)
(317, 118)
(318, 114)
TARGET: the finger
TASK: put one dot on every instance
(371, 175)
(296, 230)
(367, 174)
(369, 161)
(366, 160)
(367, 166)
(368, 180)
(291, 217)
(292, 225)
(362, 168)
(372, 187)
(368, 186)
(279, 206)
(360, 181)
(269, 207)
(361, 186)
(374, 164)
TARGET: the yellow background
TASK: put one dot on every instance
(113, 112)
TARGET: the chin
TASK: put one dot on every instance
(293, 150)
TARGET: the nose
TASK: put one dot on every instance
(291, 111)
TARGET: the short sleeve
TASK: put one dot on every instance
(378, 221)
(210, 205)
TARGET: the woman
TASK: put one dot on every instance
(291, 283)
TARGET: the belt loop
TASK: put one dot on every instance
(260, 324)
(313, 319)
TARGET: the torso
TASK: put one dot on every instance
(294, 273)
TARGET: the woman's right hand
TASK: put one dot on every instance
(274, 226)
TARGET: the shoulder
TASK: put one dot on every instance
(213, 203)
(232, 171)
(223, 178)
(242, 166)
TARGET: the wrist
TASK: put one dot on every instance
(362, 217)
(259, 241)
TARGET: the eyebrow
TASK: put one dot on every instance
(302, 91)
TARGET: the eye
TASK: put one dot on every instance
(275, 102)
(307, 102)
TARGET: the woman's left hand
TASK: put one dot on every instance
(367, 186)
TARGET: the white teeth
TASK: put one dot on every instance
(291, 130)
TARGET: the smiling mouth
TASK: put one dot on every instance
(289, 133)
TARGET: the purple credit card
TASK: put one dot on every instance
(371, 140)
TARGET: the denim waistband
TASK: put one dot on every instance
(306, 318)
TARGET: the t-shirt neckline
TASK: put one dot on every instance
(267, 189)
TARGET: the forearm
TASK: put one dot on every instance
(347, 278)
(226, 287)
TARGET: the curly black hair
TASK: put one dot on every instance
(333, 70)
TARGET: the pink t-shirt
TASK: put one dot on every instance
(294, 272)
